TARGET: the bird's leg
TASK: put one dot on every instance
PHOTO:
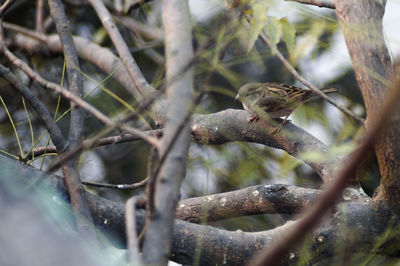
(253, 118)
(284, 122)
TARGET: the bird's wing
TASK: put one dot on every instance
(272, 103)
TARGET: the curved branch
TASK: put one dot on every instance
(332, 192)
(362, 27)
(363, 225)
(261, 199)
(70, 96)
(102, 57)
(233, 125)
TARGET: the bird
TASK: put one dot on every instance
(275, 99)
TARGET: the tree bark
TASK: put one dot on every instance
(361, 22)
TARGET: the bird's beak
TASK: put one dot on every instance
(237, 97)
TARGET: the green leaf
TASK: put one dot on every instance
(289, 37)
(313, 156)
(259, 11)
(310, 39)
(288, 164)
(274, 30)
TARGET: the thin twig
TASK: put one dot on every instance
(6, 5)
(54, 130)
(38, 151)
(300, 78)
(75, 84)
(333, 191)
(137, 27)
(117, 186)
(131, 230)
(78, 199)
(143, 87)
(70, 96)
(39, 26)
(319, 3)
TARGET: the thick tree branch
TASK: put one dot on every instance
(362, 225)
(179, 54)
(261, 199)
(70, 169)
(247, 201)
(361, 22)
(332, 192)
(233, 125)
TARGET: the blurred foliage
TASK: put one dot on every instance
(236, 57)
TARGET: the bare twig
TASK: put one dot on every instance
(143, 87)
(117, 186)
(72, 66)
(3, 8)
(319, 3)
(131, 231)
(72, 97)
(72, 179)
(39, 26)
(300, 78)
(333, 191)
(55, 132)
(37, 151)
(133, 4)
(32, 34)
(137, 27)
(148, 50)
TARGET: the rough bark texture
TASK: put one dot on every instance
(363, 227)
(361, 22)
(175, 142)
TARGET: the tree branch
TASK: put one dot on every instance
(362, 27)
(319, 3)
(143, 87)
(260, 199)
(54, 131)
(179, 54)
(219, 246)
(79, 202)
(37, 151)
(332, 192)
(102, 57)
(232, 125)
(300, 78)
(70, 96)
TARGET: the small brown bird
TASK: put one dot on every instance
(277, 100)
